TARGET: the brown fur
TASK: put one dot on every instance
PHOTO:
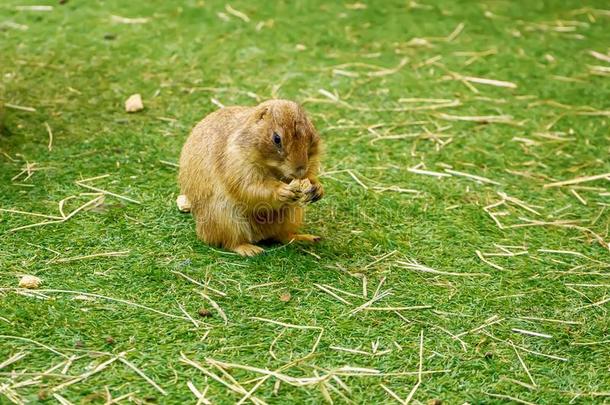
(238, 181)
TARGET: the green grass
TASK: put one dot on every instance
(76, 67)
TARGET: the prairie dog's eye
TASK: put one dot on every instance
(277, 140)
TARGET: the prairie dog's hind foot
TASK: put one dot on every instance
(183, 203)
(248, 250)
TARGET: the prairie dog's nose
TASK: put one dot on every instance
(299, 171)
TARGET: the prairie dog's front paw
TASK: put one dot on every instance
(313, 192)
(290, 193)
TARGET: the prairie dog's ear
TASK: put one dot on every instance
(261, 113)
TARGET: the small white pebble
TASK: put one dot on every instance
(134, 103)
(183, 203)
(28, 281)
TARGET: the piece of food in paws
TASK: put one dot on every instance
(304, 189)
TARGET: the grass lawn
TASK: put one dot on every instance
(452, 131)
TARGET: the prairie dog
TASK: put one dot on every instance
(248, 172)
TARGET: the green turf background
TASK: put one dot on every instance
(76, 67)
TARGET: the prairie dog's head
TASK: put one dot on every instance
(287, 141)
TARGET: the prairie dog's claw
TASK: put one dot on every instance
(318, 192)
(313, 193)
